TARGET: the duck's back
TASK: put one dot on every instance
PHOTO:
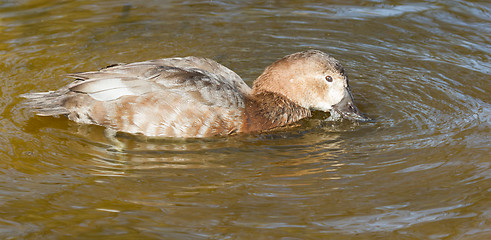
(175, 97)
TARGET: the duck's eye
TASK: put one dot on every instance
(329, 78)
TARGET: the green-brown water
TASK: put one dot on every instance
(421, 171)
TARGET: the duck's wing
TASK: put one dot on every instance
(171, 74)
(225, 74)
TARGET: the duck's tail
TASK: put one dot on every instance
(47, 103)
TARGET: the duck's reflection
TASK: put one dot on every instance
(275, 155)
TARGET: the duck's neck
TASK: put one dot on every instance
(267, 110)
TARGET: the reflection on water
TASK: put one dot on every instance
(393, 219)
(142, 157)
(420, 171)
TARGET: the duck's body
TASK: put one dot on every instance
(198, 97)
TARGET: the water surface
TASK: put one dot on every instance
(420, 171)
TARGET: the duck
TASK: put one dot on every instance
(195, 97)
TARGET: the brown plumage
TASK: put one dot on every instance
(198, 97)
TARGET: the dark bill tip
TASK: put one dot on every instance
(354, 116)
(347, 109)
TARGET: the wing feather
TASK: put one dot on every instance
(191, 75)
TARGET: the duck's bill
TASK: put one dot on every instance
(347, 109)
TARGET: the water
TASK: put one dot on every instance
(420, 171)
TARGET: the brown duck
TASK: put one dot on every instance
(198, 97)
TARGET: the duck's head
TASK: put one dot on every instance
(313, 80)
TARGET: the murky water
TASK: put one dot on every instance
(421, 171)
